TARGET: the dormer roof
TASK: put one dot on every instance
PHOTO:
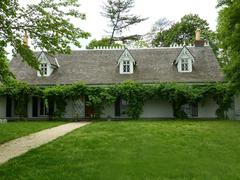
(126, 56)
(49, 58)
(184, 53)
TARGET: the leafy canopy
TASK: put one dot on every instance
(47, 23)
(229, 35)
(183, 31)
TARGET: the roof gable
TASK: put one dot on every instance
(46, 58)
(185, 53)
(42, 58)
(126, 56)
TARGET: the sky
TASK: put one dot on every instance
(172, 10)
(153, 9)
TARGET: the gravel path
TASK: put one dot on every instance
(21, 145)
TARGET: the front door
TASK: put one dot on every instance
(89, 112)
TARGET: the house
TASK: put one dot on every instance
(102, 67)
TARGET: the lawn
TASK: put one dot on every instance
(13, 130)
(136, 150)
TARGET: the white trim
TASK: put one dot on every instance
(185, 55)
(57, 62)
(44, 60)
(126, 57)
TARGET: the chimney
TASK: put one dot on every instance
(25, 38)
(198, 42)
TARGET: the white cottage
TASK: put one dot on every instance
(100, 67)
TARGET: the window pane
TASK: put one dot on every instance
(44, 68)
(195, 110)
(41, 107)
(184, 65)
(126, 66)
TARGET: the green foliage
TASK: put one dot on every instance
(157, 28)
(229, 36)
(223, 95)
(5, 74)
(135, 95)
(229, 26)
(20, 92)
(224, 2)
(183, 31)
(104, 42)
(97, 98)
(46, 24)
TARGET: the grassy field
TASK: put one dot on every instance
(13, 130)
(136, 151)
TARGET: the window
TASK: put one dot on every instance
(126, 63)
(194, 110)
(185, 61)
(124, 107)
(126, 66)
(191, 110)
(121, 107)
(184, 65)
(44, 69)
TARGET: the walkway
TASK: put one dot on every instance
(21, 145)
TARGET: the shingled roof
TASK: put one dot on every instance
(99, 67)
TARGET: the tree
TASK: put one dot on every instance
(45, 23)
(118, 13)
(183, 31)
(159, 26)
(104, 42)
(5, 74)
(229, 35)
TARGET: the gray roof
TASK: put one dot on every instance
(99, 67)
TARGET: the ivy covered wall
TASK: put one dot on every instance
(134, 93)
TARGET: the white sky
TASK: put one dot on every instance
(153, 9)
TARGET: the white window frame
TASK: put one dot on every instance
(185, 61)
(185, 65)
(126, 67)
(44, 69)
(126, 63)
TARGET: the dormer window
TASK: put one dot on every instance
(47, 64)
(184, 65)
(126, 66)
(184, 61)
(126, 63)
(43, 69)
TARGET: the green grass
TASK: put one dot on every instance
(136, 151)
(13, 130)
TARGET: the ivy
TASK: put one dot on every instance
(135, 96)
(134, 93)
(20, 92)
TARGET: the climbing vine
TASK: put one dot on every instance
(133, 93)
